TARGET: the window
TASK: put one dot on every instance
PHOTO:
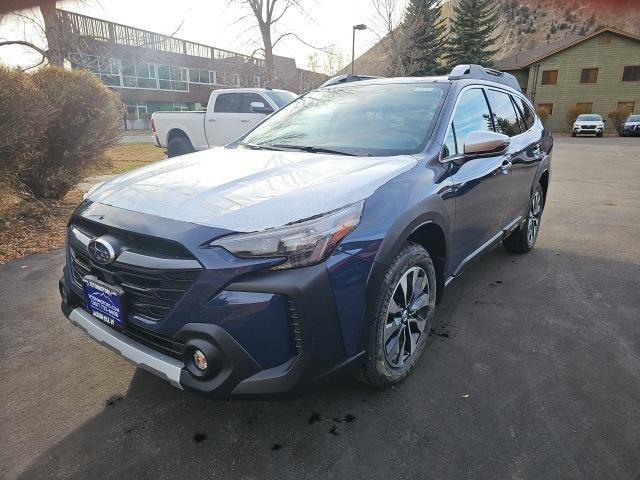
(472, 114)
(549, 77)
(546, 108)
(236, 80)
(213, 78)
(256, 80)
(585, 107)
(200, 76)
(247, 98)
(505, 117)
(172, 78)
(589, 75)
(280, 97)
(228, 103)
(628, 107)
(525, 110)
(631, 73)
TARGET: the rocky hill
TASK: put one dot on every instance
(526, 24)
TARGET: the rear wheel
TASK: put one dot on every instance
(404, 312)
(522, 239)
(179, 146)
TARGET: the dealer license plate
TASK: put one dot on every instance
(104, 301)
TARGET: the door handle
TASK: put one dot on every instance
(244, 121)
(212, 120)
(506, 166)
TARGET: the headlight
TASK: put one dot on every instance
(304, 243)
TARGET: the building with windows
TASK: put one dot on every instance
(154, 72)
(597, 73)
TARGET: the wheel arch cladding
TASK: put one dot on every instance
(544, 181)
(431, 237)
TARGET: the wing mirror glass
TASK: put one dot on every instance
(259, 107)
(482, 143)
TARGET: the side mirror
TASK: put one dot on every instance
(259, 107)
(482, 143)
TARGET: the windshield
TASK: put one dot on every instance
(356, 119)
(281, 98)
(589, 118)
(633, 118)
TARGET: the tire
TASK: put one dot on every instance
(522, 239)
(573, 134)
(599, 135)
(179, 146)
(394, 325)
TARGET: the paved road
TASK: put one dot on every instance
(535, 373)
(137, 138)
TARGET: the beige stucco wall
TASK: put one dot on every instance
(605, 94)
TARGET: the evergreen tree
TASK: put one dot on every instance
(472, 39)
(425, 33)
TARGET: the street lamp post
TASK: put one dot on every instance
(360, 26)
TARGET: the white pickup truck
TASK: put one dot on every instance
(230, 113)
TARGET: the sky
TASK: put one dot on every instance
(324, 23)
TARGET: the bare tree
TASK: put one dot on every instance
(51, 30)
(267, 14)
(387, 25)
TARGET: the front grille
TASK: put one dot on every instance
(294, 321)
(589, 126)
(151, 294)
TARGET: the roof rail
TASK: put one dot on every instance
(478, 72)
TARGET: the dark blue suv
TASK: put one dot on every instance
(318, 243)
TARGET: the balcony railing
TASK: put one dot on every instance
(84, 26)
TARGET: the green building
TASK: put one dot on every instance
(597, 73)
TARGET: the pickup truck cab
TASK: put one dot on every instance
(230, 114)
(320, 242)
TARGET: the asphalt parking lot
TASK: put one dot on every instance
(533, 371)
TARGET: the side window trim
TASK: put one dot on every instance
(528, 105)
(450, 126)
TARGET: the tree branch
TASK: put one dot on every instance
(24, 43)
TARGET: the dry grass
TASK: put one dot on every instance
(29, 226)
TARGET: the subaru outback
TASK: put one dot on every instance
(319, 243)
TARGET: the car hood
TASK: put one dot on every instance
(631, 124)
(249, 190)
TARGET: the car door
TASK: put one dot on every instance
(249, 119)
(481, 185)
(527, 153)
(223, 125)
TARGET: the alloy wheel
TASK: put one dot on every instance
(406, 316)
(533, 223)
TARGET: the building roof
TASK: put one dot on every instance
(524, 59)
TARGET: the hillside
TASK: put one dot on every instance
(526, 24)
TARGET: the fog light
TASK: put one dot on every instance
(200, 360)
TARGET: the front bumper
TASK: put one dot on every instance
(587, 130)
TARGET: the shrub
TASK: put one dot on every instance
(543, 113)
(23, 114)
(84, 121)
(573, 113)
(617, 117)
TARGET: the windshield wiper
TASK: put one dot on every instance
(310, 149)
(255, 146)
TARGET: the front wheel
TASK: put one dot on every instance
(522, 239)
(404, 311)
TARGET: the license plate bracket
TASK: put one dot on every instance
(105, 301)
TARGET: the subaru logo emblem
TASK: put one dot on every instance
(101, 251)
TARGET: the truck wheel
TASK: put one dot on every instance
(404, 310)
(522, 239)
(179, 146)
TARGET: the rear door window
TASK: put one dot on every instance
(505, 117)
(528, 117)
(228, 103)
